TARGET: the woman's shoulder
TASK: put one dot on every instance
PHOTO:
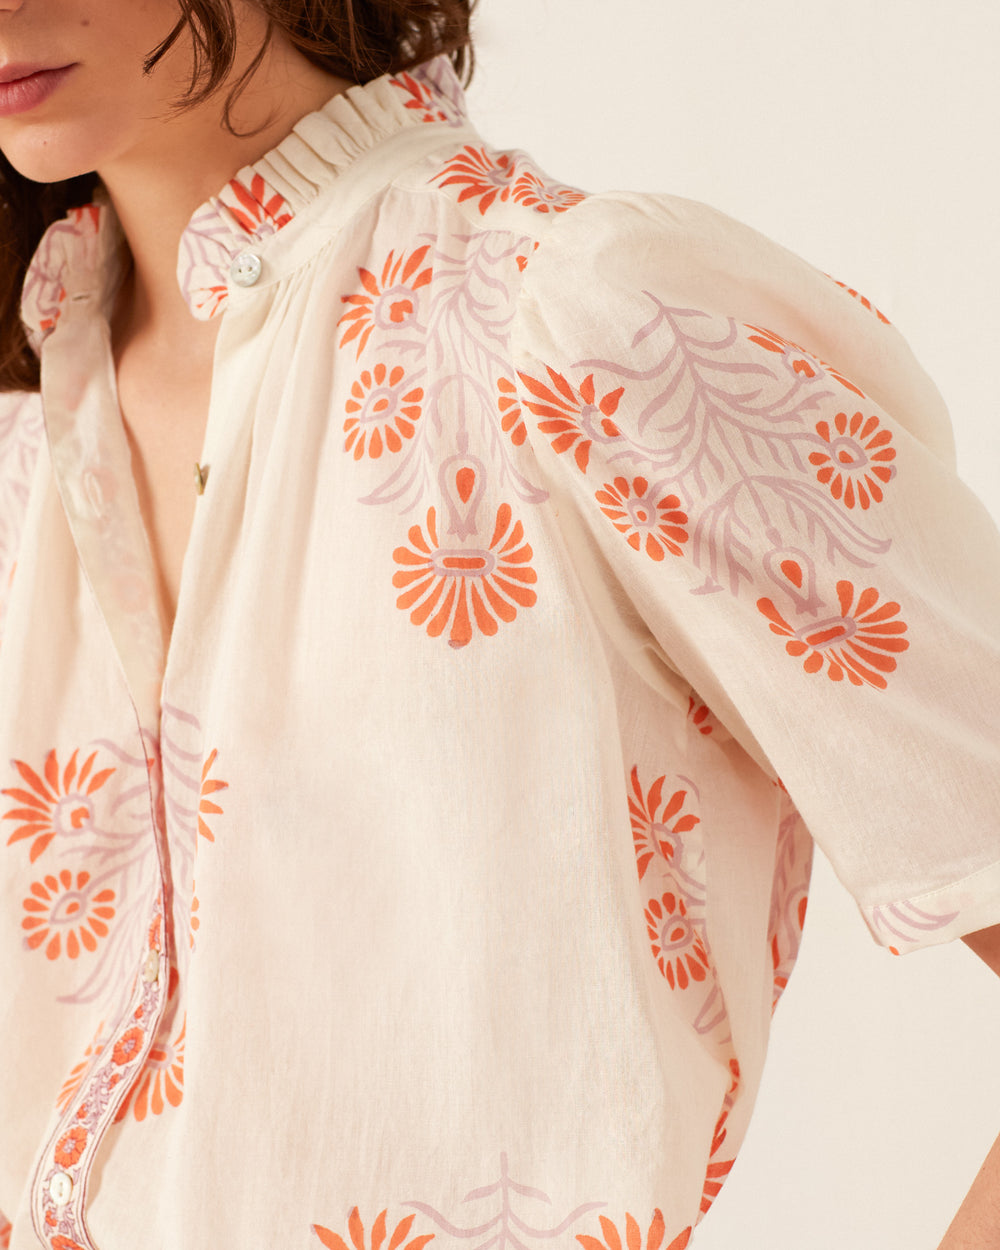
(627, 236)
(617, 260)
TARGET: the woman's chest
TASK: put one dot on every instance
(164, 410)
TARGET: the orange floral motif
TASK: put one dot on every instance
(161, 1081)
(719, 1135)
(58, 907)
(856, 467)
(715, 1176)
(48, 323)
(700, 715)
(522, 261)
(421, 99)
(530, 190)
(379, 1232)
(252, 206)
(781, 979)
(207, 806)
(498, 177)
(862, 300)
(860, 644)
(511, 418)
(797, 358)
(463, 589)
(70, 1147)
(55, 804)
(85, 220)
(6, 1228)
(633, 1239)
(650, 523)
(656, 832)
(127, 1045)
(65, 1243)
(389, 300)
(380, 415)
(678, 949)
(479, 175)
(575, 417)
(718, 1169)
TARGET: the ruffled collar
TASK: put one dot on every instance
(79, 256)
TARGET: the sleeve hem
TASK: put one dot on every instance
(938, 916)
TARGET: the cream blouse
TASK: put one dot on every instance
(564, 565)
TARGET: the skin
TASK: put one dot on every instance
(158, 167)
(977, 1224)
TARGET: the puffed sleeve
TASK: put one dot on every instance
(755, 478)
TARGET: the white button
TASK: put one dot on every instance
(151, 968)
(245, 269)
(61, 1189)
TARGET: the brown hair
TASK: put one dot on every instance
(354, 39)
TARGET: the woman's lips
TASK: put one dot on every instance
(24, 93)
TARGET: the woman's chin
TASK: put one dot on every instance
(46, 158)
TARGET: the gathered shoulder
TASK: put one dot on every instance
(754, 478)
(598, 263)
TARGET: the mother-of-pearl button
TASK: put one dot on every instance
(61, 1188)
(151, 968)
(245, 269)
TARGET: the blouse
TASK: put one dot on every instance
(563, 566)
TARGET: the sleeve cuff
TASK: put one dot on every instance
(938, 916)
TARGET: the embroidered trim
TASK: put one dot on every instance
(94, 799)
(80, 1129)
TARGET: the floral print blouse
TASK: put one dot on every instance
(564, 565)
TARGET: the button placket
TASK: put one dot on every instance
(59, 1189)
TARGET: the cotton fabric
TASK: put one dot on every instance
(566, 564)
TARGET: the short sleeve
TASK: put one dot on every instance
(755, 477)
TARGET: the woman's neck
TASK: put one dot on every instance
(189, 157)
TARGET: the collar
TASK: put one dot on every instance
(80, 257)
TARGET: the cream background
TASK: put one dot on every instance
(865, 137)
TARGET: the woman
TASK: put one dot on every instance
(437, 603)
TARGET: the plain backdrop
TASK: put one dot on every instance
(863, 134)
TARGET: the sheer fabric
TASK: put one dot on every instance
(566, 564)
